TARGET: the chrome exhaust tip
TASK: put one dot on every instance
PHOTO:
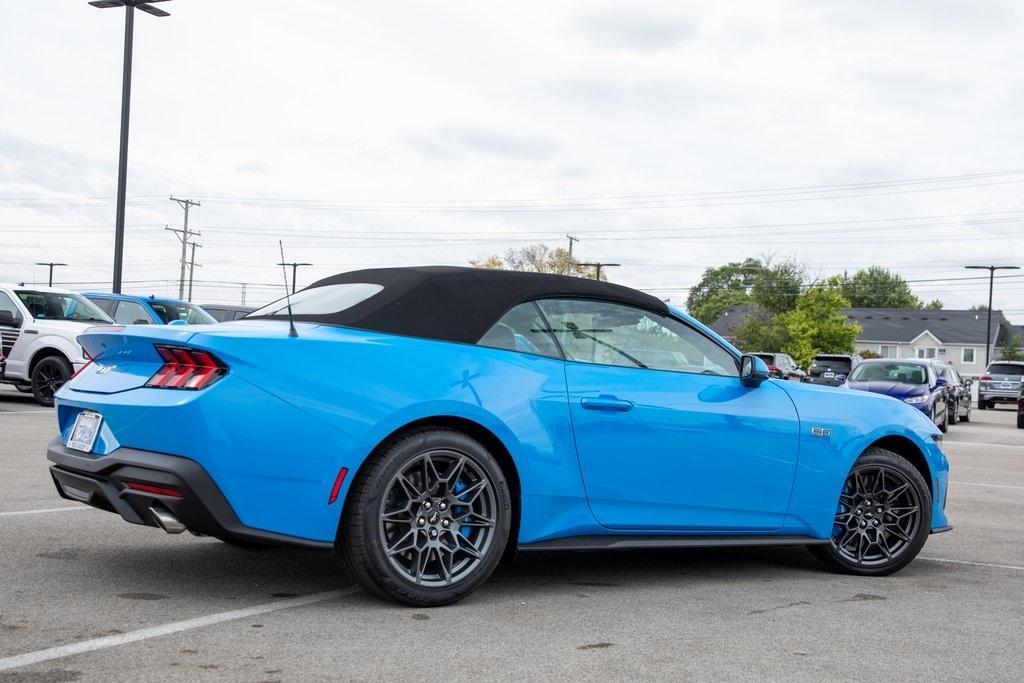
(166, 521)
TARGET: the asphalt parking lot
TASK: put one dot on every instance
(85, 596)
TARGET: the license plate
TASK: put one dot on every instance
(83, 434)
(828, 375)
(1005, 385)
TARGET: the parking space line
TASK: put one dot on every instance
(42, 510)
(997, 486)
(60, 651)
(975, 564)
(26, 412)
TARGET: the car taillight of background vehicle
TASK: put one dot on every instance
(185, 368)
(985, 378)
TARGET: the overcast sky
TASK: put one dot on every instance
(666, 136)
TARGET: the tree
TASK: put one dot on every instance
(934, 305)
(817, 324)
(731, 282)
(978, 307)
(777, 287)
(878, 287)
(535, 258)
(1011, 349)
(762, 332)
(868, 354)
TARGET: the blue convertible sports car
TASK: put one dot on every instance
(426, 422)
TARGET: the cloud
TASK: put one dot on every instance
(632, 30)
(451, 141)
(253, 166)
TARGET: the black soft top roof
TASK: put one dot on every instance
(460, 304)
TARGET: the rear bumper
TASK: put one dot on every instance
(201, 507)
(1000, 396)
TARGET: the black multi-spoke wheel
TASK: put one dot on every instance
(437, 518)
(428, 519)
(883, 517)
(48, 376)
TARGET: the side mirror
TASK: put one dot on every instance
(753, 370)
(7, 319)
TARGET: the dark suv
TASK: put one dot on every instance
(1000, 384)
(781, 365)
(831, 368)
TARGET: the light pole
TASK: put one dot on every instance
(991, 281)
(295, 265)
(126, 96)
(598, 266)
(51, 265)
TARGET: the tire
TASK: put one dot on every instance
(426, 520)
(944, 425)
(852, 523)
(966, 417)
(953, 416)
(1020, 420)
(48, 376)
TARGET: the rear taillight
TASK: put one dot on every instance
(986, 378)
(184, 368)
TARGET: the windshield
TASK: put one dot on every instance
(1005, 369)
(190, 313)
(890, 372)
(321, 300)
(61, 306)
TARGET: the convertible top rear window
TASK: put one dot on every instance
(324, 300)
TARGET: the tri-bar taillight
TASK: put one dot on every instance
(184, 368)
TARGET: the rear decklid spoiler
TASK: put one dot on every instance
(125, 358)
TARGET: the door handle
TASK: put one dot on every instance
(604, 402)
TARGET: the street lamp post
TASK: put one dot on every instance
(295, 265)
(51, 265)
(991, 281)
(126, 92)
(598, 266)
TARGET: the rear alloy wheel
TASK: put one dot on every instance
(953, 413)
(428, 522)
(48, 376)
(883, 518)
(944, 425)
(966, 417)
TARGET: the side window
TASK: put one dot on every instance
(6, 304)
(131, 313)
(105, 305)
(522, 329)
(613, 334)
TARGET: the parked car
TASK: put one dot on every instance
(781, 366)
(223, 313)
(1000, 383)
(422, 421)
(831, 369)
(39, 327)
(128, 309)
(1020, 408)
(958, 392)
(914, 382)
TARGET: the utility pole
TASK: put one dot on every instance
(126, 96)
(192, 265)
(51, 265)
(571, 238)
(598, 267)
(295, 265)
(184, 234)
(243, 293)
(991, 281)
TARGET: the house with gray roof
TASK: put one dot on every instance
(953, 337)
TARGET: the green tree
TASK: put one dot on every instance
(934, 305)
(729, 283)
(978, 307)
(1011, 349)
(878, 287)
(777, 286)
(817, 324)
(762, 332)
(535, 258)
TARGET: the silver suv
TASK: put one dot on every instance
(1000, 383)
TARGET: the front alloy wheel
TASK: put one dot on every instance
(883, 518)
(427, 521)
(48, 376)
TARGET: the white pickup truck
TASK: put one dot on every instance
(39, 327)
